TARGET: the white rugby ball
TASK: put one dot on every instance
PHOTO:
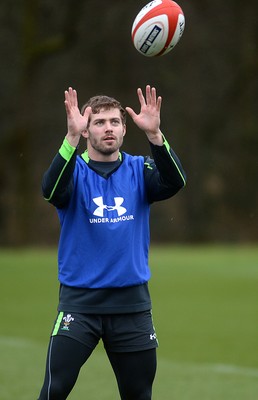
(158, 27)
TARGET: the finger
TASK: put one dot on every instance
(86, 115)
(141, 97)
(68, 97)
(73, 97)
(87, 112)
(70, 100)
(159, 101)
(148, 94)
(153, 97)
(67, 107)
(131, 112)
(67, 100)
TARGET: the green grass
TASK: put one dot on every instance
(205, 312)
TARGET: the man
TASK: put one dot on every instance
(103, 199)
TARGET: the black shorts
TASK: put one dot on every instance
(119, 332)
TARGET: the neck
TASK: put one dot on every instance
(97, 156)
(87, 156)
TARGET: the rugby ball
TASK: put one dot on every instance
(158, 27)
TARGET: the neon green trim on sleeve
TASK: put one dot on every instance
(167, 146)
(54, 188)
(58, 323)
(66, 150)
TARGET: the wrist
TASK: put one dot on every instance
(66, 150)
(155, 138)
(73, 140)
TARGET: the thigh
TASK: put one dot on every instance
(64, 360)
(135, 373)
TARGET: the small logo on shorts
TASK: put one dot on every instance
(153, 336)
(67, 320)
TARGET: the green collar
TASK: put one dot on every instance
(86, 157)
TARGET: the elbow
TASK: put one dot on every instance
(45, 189)
(184, 180)
(181, 181)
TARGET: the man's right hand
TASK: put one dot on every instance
(76, 123)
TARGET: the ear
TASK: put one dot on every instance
(124, 130)
(85, 134)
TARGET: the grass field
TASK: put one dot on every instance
(205, 307)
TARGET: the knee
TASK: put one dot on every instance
(57, 390)
(137, 393)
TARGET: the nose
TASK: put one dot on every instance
(108, 126)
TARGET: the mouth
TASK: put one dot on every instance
(109, 138)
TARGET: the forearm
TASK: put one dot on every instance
(164, 176)
(57, 183)
(168, 164)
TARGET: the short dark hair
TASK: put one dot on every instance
(104, 102)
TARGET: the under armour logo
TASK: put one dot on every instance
(101, 206)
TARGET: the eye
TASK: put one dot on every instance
(115, 122)
(99, 123)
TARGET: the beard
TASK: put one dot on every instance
(104, 145)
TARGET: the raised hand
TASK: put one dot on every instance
(76, 123)
(148, 119)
